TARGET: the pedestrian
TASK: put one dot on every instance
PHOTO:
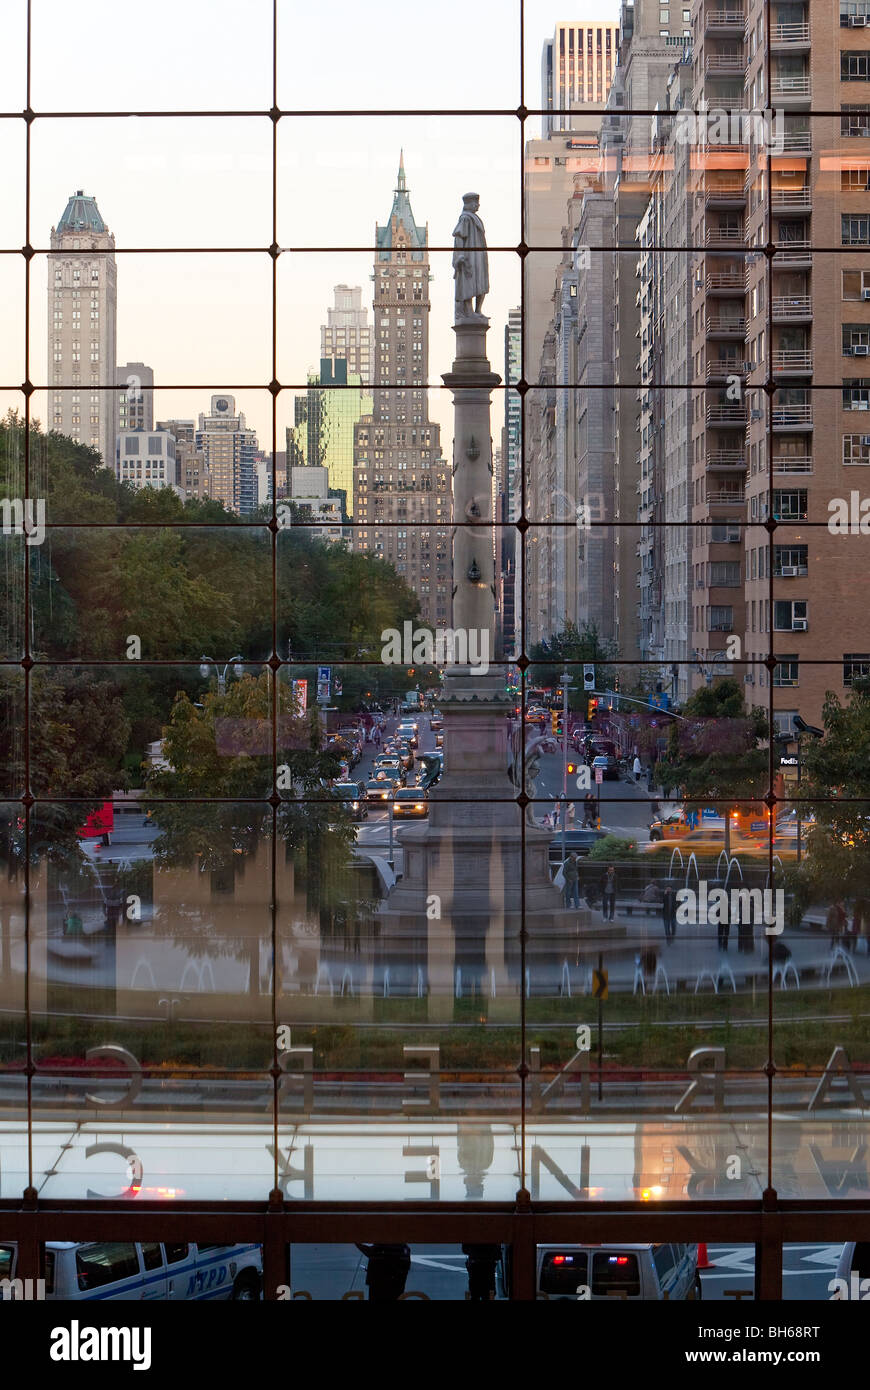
(481, 1261)
(589, 810)
(571, 875)
(387, 1270)
(861, 922)
(835, 922)
(669, 912)
(608, 896)
(636, 768)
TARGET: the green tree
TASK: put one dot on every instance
(836, 779)
(572, 644)
(713, 754)
(209, 802)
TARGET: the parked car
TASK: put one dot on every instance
(91, 1271)
(577, 842)
(592, 1272)
(609, 766)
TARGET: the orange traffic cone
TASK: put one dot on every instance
(703, 1261)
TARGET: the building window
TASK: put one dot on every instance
(855, 231)
(856, 666)
(856, 449)
(786, 672)
(790, 505)
(789, 560)
(854, 66)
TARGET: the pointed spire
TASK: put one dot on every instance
(402, 184)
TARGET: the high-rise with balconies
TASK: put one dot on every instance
(785, 322)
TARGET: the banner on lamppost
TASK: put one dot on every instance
(300, 695)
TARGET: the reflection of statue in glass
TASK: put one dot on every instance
(470, 260)
(475, 1150)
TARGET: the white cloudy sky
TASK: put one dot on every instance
(163, 182)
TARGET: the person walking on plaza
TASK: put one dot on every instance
(608, 897)
(589, 816)
(571, 874)
(636, 768)
(669, 912)
(835, 922)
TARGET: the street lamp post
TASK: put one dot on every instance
(234, 661)
(565, 679)
(800, 726)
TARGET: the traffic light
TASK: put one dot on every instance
(554, 720)
(572, 767)
(591, 706)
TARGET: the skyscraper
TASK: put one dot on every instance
(325, 419)
(577, 66)
(347, 332)
(228, 449)
(400, 475)
(136, 400)
(82, 332)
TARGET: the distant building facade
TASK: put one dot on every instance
(82, 327)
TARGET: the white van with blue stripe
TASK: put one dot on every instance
(133, 1270)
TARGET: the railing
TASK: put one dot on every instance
(791, 199)
(725, 415)
(789, 33)
(797, 141)
(801, 463)
(792, 361)
(786, 416)
(725, 366)
(725, 280)
(723, 192)
(723, 236)
(791, 86)
(724, 64)
(792, 253)
(726, 458)
(718, 323)
(796, 306)
(726, 497)
(724, 19)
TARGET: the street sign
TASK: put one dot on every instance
(599, 984)
(599, 775)
(324, 673)
(588, 677)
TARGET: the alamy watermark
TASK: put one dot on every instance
(743, 906)
(849, 517)
(445, 646)
(24, 518)
(720, 126)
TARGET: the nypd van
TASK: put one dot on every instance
(592, 1272)
(133, 1270)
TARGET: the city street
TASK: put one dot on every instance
(439, 1272)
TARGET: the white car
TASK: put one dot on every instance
(134, 1270)
(588, 1273)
